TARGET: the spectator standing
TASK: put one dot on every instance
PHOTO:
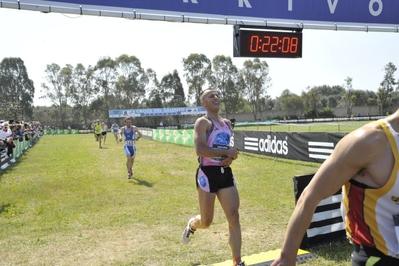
(6, 137)
(233, 122)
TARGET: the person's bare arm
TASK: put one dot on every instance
(354, 152)
(138, 132)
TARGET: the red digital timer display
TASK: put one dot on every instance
(257, 43)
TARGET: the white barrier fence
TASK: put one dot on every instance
(20, 147)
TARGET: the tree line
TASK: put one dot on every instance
(80, 94)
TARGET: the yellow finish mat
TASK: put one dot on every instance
(266, 258)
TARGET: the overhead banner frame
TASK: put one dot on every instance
(338, 15)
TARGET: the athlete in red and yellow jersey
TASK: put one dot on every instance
(366, 163)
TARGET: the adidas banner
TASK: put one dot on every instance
(312, 147)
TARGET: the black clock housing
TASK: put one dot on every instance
(267, 43)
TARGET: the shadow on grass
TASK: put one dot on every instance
(4, 208)
(281, 160)
(12, 165)
(339, 251)
(140, 182)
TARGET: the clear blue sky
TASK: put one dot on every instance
(329, 57)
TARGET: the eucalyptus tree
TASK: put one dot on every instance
(328, 96)
(254, 81)
(291, 103)
(58, 88)
(16, 89)
(173, 92)
(224, 78)
(349, 95)
(334, 96)
(234, 101)
(371, 98)
(311, 100)
(83, 90)
(360, 98)
(105, 78)
(155, 97)
(197, 69)
(387, 86)
(131, 80)
(395, 98)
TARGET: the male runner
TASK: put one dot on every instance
(115, 130)
(104, 131)
(98, 129)
(214, 178)
(128, 132)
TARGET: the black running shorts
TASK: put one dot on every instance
(362, 256)
(213, 178)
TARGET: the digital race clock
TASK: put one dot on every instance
(261, 43)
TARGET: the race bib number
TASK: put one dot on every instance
(129, 142)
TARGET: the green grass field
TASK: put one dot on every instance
(67, 202)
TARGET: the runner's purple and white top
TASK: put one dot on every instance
(218, 137)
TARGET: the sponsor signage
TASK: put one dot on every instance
(312, 147)
(198, 110)
(182, 137)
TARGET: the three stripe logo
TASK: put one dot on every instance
(320, 150)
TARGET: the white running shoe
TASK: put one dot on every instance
(185, 237)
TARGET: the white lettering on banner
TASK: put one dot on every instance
(192, 1)
(266, 145)
(377, 12)
(289, 5)
(273, 146)
(242, 2)
(332, 6)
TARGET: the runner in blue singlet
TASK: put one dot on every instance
(130, 134)
(115, 131)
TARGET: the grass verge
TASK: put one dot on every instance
(67, 202)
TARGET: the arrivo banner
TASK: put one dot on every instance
(337, 11)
